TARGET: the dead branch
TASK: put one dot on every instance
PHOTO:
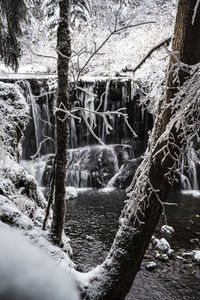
(166, 41)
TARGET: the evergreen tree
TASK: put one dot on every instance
(12, 13)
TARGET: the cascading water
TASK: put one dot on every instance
(189, 171)
(91, 165)
(40, 97)
(36, 112)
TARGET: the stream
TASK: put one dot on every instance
(92, 221)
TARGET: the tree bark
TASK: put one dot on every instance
(113, 279)
(62, 123)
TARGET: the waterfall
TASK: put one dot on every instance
(40, 97)
(88, 164)
(91, 166)
(189, 174)
(36, 112)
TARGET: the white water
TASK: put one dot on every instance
(93, 165)
(189, 169)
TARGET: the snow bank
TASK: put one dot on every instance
(71, 192)
(28, 273)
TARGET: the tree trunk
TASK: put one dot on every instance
(186, 42)
(62, 123)
(113, 279)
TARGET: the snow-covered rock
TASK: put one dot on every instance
(197, 256)
(168, 230)
(151, 266)
(154, 240)
(163, 245)
(163, 257)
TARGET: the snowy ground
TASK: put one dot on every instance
(124, 49)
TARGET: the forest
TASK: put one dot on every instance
(100, 157)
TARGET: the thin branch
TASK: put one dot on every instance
(40, 145)
(115, 31)
(42, 55)
(166, 41)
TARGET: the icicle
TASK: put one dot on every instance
(133, 89)
(36, 112)
(105, 107)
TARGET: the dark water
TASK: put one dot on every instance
(92, 221)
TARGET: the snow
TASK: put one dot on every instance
(126, 48)
(151, 265)
(194, 193)
(165, 229)
(197, 256)
(163, 245)
(28, 273)
(71, 192)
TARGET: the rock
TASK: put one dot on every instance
(168, 230)
(179, 257)
(163, 257)
(194, 241)
(157, 255)
(188, 254)
(150, 266)
(89, 238)
(154, 240)
(197, 256)
(191, 222)
(148, 256)
(163, 245)
(98, 165)
(123, 180)
(170, 253)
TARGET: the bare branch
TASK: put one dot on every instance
(166, 41)
(115, 31)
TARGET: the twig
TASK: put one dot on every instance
(40, 145)
(42, 55)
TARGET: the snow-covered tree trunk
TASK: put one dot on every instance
(148, 192)
(62, 123)
(186, 41)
